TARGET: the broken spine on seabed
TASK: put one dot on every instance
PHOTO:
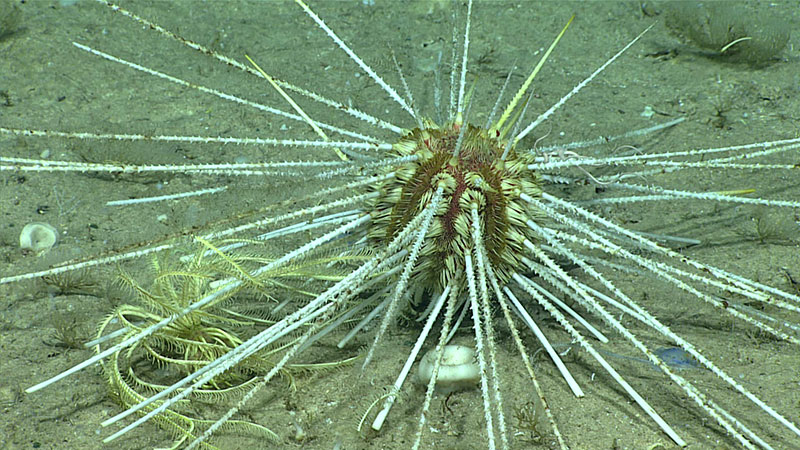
(453, 219)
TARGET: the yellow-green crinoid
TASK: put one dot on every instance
(198, 336)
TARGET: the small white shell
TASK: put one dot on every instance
(459, 369)
(38, 237)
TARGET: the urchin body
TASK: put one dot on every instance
(468, 162)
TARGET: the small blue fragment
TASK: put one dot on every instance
(677, 357)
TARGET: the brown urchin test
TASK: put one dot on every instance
(472, 172)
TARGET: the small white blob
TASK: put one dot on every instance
(459, 369)
(38, 237)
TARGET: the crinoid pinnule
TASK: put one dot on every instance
(466, 223)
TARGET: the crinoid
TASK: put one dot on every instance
(201, 335)
(470, 224)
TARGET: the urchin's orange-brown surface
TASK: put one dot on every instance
(470, 166)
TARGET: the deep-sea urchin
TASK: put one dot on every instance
(623, 250)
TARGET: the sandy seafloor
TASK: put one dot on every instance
(52, 85)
